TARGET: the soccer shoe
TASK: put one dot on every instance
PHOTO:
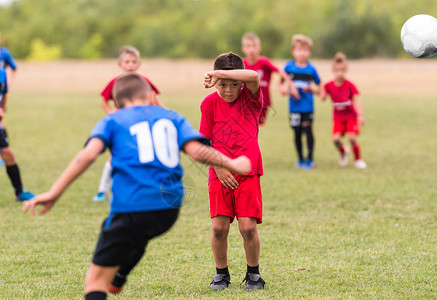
(2, 162)
(344, 157)
(100, 196)
(360, 164)
(253, 282)
(24, 196)
(300, 164)
(117, 284)
(220, 282)
(309, 164)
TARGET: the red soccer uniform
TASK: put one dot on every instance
(232, 128)
(107, 91)
(345, 115)
(264, 67)
(342, 99)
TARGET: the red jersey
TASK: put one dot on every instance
(264, 67)
(342, 99)
(107, 91)
(232, 127)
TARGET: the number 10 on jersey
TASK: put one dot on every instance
(161, 141)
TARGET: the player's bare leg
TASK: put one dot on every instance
(219, 243)
(251, 239)
(252, 245)
(99, 278)
(344, 151)
(219, 240)
(359, 163)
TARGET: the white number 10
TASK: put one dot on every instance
(161, 140)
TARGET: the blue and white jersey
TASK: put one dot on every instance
(302, 78)
(5, 61)
(145, 142)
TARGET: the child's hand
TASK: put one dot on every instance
(361, 120)
(45, 199)
(2, 113)
(294, 92)
(241, 165)
(226, 178)
(210, 79)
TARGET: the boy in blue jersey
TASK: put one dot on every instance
(302, 73)
(6, 153)
(6, 60)
(145, 141)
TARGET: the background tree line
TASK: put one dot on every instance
(91, 29)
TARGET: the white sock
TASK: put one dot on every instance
(106, 179)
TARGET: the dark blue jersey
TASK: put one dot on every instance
(302, 78)
(6, 60)
(145, 142)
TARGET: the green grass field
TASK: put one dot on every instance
(328, 233)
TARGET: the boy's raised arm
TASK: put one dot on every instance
(208, 155)
(76, 167)
(249, 77)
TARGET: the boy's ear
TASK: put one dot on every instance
(152, 98)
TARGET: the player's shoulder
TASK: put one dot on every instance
(311, 65)
(5, 51)
(329, 83)
(210, 98)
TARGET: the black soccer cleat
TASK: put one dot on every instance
(253, 282)
(220, 282)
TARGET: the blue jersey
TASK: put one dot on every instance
(6, 60)
(145, 142)
(302, 78)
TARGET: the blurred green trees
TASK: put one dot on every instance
(204, 28)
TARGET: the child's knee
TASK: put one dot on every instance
(220, 230)
(352, 139)
(248, 230)
(8, 156)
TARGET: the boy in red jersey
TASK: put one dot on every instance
(251, 47)
(129, 61)
(230, 119)
(348, 111)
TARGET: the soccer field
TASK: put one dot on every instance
(330, 232)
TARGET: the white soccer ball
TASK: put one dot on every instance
(419, 36)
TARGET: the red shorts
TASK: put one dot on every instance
(350, 126)
(244, 201)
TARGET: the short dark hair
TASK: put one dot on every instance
(228, 61)
(128, 87)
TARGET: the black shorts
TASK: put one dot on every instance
(124, 235)
(4, 141)
(296, 119)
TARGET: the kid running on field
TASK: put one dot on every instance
(303, 73)
(145, 141)
(348, 111)
(6, 153)
(129, 61)
(251, 47)
(230, 119)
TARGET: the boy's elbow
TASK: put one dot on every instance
(253, 76)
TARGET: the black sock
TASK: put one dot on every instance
(298, 141)
(310, 140)
(253, 269)
(223, 271)
(14, 176)
(95, 296)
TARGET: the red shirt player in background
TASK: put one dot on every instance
(129, 61)
(251, 47)
(230, 119)
(348, 111)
